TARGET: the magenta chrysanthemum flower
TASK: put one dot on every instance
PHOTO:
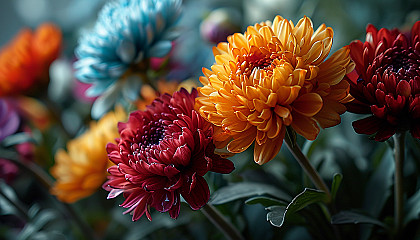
(163, 153)
(386, 83)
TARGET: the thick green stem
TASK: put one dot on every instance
(399, 138)
(48, 183)
(220, 222)
(307, 167)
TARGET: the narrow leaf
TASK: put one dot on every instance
(17, 139)
(265, 201)
(352, 217)
(336, 184)
(245, 190)
(412, 209)
(378, 188)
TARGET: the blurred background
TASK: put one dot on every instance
(205, 23)
(347, 18)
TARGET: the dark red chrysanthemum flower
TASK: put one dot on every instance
(386, 82)
(163, 153)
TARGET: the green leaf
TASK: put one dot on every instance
(412, 208)
(352, 217)
(245, 190)
(277, 216)
(265, 201)
(8, 191)
(7, 198)
(378, 188)
(335, 184)
(39, 224)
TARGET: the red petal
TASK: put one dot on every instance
(182, 156)
(415, 130)
(356, 106)
(403, 88)
(222, 165)
(174, 211)
(162, 200)
(140, 209)
(369, 125)
(114, 193)
(356, 53)
(379, 112)
(385, 133)
(415, 108)
(199, 195)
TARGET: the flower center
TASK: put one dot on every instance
(405, 63)
(153, 133)
(257, 59)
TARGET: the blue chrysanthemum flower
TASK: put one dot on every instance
(111, 56)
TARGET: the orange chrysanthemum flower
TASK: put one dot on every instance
(83, 168)
(25, 61)
(273, 76)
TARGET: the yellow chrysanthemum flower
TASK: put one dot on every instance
(273, 76)
(83, 168)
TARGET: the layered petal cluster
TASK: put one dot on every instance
(162, 154)
(386, 82)
(273, 76)
(110, 57)
(25, 61)
(82, 169)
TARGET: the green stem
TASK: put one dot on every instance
(220, 222)
(399, 138)
(48, 183)
(307, 167)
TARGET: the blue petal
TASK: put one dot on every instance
(126, 51)
(126, 31)
(160, 49)
(105, 102)
(131, 88)
(98, 88)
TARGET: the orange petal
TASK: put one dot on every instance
(242, 141)
(267, 151)
(329, 115)
(305, 126)
(308, 104)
